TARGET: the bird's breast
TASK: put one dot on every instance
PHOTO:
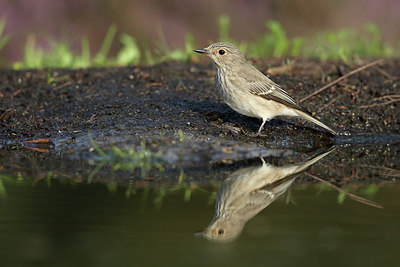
(242, 101)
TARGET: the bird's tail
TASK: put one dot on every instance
(310, 118)
(304, 165)
(296, 168)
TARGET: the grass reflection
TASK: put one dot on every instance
(158, 192)
(126, 159)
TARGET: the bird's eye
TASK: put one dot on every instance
(221, 231)
(221, 52)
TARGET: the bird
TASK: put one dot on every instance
(248, 91)
(247, 191)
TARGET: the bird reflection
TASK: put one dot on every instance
(247, 191)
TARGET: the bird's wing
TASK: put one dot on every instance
(277, 188)
(258, 84)
(251, 204)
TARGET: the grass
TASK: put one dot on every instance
(345, 44)
(275, 43)
(52, 80)
(367, 191)
(18, 179)
(158, 192)
(182, 186)
(60, 54)
(126, 159)
(4, 39)
(181, 136)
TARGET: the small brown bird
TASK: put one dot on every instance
(249, 92)
(246, 192)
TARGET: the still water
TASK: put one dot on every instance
(269, 214)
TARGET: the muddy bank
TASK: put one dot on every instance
(354, 165)
(173, 102)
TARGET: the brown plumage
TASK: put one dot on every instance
(248, 91)
(247, 191)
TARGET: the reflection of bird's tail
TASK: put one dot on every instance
(310, 118)
(314, 159)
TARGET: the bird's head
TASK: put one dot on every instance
(223, 55)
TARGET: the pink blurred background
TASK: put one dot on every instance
(72, 19)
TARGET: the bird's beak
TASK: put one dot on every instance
(202, 51)
(200, 234)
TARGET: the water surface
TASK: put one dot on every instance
(50, 220)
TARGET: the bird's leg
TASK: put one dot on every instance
(261, 127)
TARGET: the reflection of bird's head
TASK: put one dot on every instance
(223, 230)
(245, 192)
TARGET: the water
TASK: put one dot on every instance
(59, 219)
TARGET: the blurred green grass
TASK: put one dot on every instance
(346, 44)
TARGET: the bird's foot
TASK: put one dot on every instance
(260, 129)
(258, 134)
(229, 127)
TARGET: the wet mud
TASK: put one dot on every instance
(124, 105)
(175, 109)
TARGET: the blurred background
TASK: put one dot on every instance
(153, 21)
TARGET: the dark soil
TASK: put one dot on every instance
(174, 107)
(125, 105)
